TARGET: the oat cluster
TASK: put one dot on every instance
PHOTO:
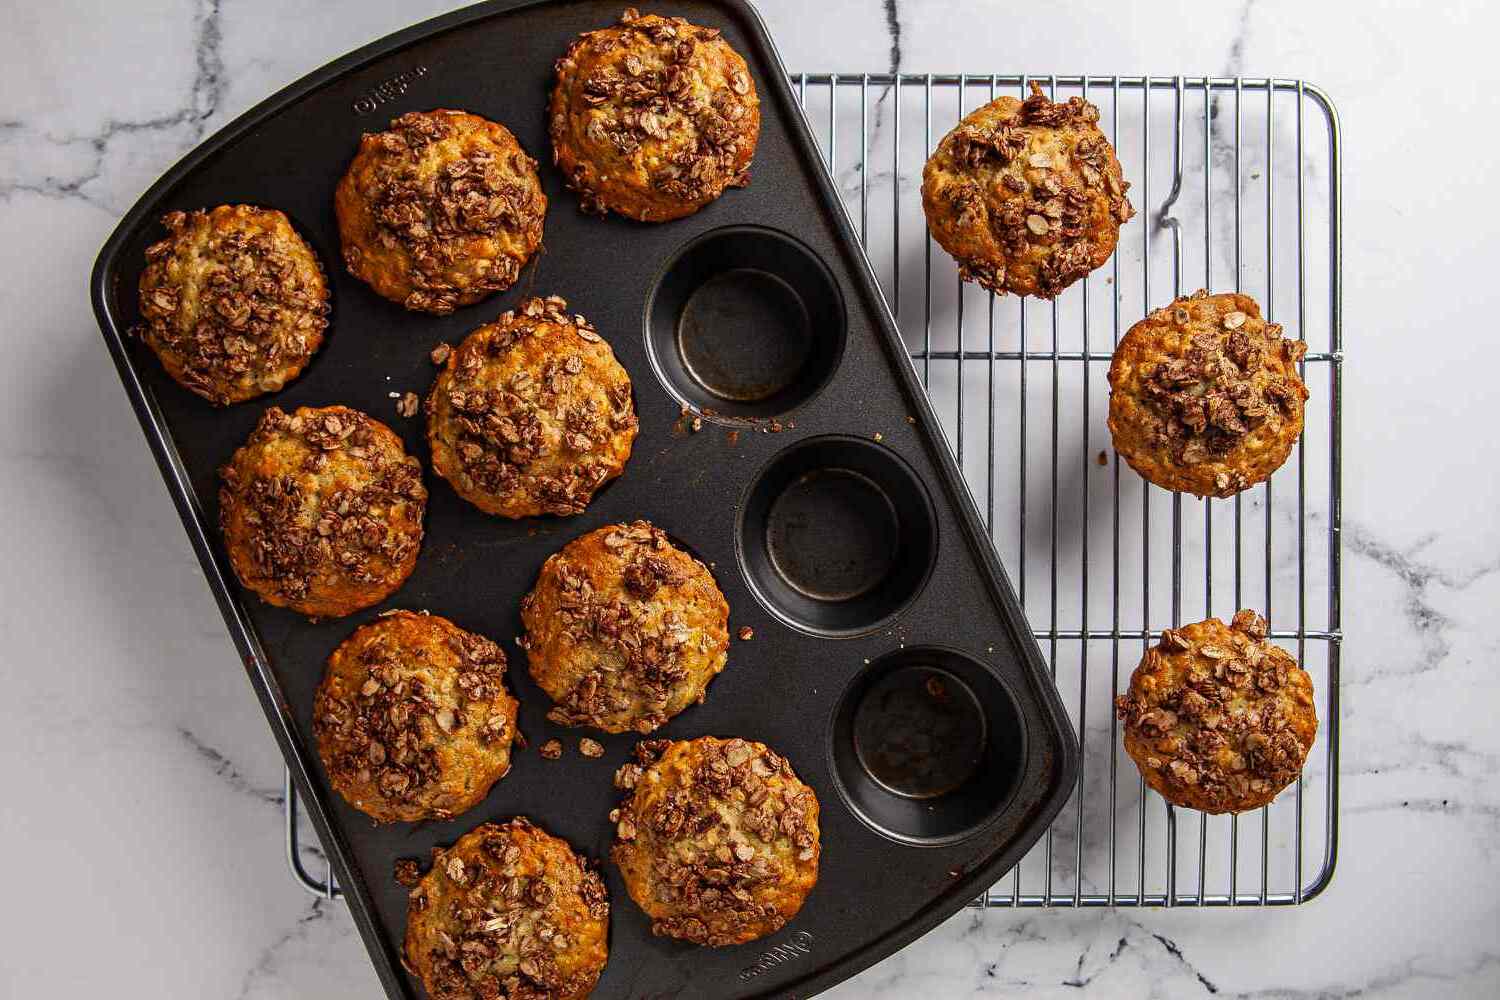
(1206, 396)
(321, 510)
(624, 630)
(1217, 717)
(532, 413)
(233, 301)
(1027, 196)
(413, 719)
(717, 840)
(653, 117)
(509, 912)
(440, 211)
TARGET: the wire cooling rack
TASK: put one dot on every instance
(1236, 186)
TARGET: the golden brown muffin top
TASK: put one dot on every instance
(717, 840)
(531, 414)
(1205, 395)
(440, 211)
(653, 117)
(1026, 195)
(233, 301)
(509, 912)
(322, 510)
(624, 630)
(412, 718)
(1217, 717)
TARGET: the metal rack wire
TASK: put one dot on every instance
(1250, 174)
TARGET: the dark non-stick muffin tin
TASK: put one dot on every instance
(889, 659)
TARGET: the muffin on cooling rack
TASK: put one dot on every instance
(510, 912)
(1027, 196)
(1218, 718)
(717, 839)
(441, 211)
(653, 117)
(233, 301)
(624, 630)
(531, 414)
(1205, 397)
(412, 718)
(321, 511)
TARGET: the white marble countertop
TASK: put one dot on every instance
(142, 810)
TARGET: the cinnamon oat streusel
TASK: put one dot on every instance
(531, 414)
(1205, 397)
(1218, 718)
(412, 718)
(1027, 196)
(441, 211)
(509, 912)
(321, 510)
(653, 117)
(624, 630)
(717, 839)
(233, 301)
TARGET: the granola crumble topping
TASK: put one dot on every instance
(233, 301)
(1217, 717)
(532, 413)
(653, 117)
(717, 839)
(508, 913)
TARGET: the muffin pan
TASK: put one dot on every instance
(888, 659)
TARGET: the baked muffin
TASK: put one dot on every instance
(322, 511)
(717, 840)
(441, 211)
(653, 117)
(509, 912)
(531, 414)
(233, 301)
(1205, 397)
(1217, 718)
(624, 630)
(412, 718)
(1027, 196)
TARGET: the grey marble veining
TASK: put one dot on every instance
(143, 790)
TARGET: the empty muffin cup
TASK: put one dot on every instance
(744, 324)
(837, 535)
(927, 745)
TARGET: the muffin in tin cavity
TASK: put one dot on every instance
(1205, 396)
(653, 117)
(624, 630)
(509, 912)
(531, 414)
(1027, 196)
(321, 510)
(1218, 718)
(441, 211)
(412, 718)
(717, 839)
(234, 302)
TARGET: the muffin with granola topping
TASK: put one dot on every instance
(1027, 196)
(653, 117)
(412, 718)
(233, 301)
(1217, 717)
(441, 211)
(717, 839)
(624, 630)
(531, 414)
(321, 511)
(509, 912)
(1205, 396)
